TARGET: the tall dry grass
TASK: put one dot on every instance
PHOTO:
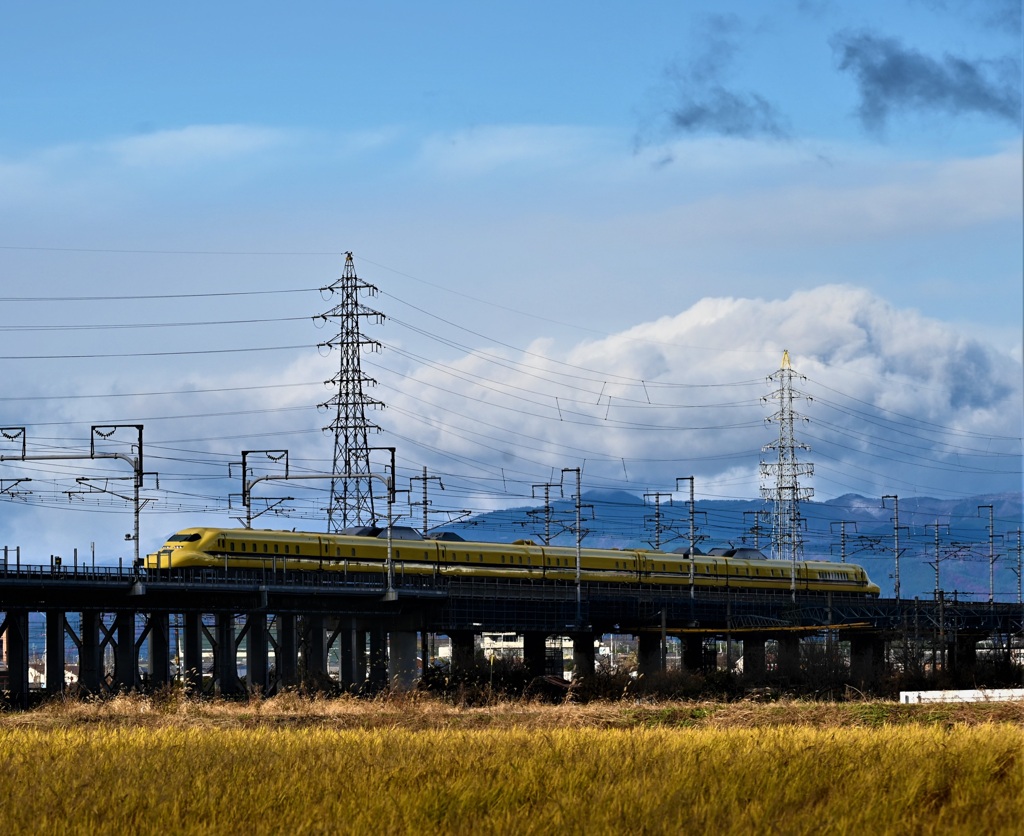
(311, 766)
(418, 711)
(267, 780)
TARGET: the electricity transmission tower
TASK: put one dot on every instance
(786, 494)
(351, 502)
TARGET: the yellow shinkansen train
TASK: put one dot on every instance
(742, 569)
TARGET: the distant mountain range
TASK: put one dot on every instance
(859, 528)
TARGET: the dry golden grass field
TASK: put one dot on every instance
(414, 764)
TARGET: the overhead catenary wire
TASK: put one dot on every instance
(481, 393)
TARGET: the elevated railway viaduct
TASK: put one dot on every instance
(131, 629)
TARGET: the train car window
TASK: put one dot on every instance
(232, 547)
(481, 559)
(264, 548)
(503, 558)
(276, 548)
(296, 550)
(287, 549)
(242, 546)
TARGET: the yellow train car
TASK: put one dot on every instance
(741, 569)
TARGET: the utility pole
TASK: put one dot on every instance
(895, 541)
(787, 493)
(656, 496)
(351, 502)
(756, 528)
(842, 536)
(992, 556)
(579, 542)
(693, 531)
(425, 502)
(547, 507)
(1018, 567)
(937, 526)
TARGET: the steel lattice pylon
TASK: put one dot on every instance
(786, 494)
(351, 502)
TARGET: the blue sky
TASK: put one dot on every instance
(607, 199)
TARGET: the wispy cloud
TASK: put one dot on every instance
(893, 78)
(704, 102)
(495, 147)
(192, 157)
(195, 144)
(726, 112)
(1004, 15)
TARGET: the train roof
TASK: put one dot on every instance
(398, 532)
(741, 553)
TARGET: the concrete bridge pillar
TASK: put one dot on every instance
(378, 678)
(90, 660)
(55, 652)
(583, 656)
(789, 656)
(16, 640)
(403, 667)
(648, 654)
(755, 668)
(867, 660)
(257, 669)
(126, 664)
(286, 652)
(693, 653)
(159, 640)
(352, 657)
(192, 623)
(314, 656)
(226, 658)
(535, 653)
(463, 649)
